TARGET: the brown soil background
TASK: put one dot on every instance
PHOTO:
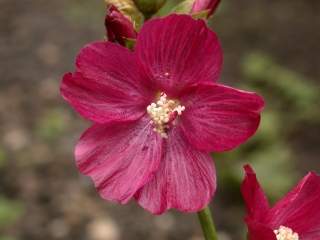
(38, 43)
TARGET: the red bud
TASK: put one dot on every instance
(203, 5)
(118, 26)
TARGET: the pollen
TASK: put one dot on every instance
(285, 233)
(163, 114)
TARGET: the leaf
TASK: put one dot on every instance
(183, 7)
(201, 15)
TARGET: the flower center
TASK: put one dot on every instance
(285, 233)
(163, 113)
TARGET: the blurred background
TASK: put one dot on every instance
(270, 46)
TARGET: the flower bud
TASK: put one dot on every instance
(118, 27)
(149, 7)
(128, 9)
(205, 5)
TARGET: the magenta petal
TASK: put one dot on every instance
(106, 86)
(174, 58)
(258, 231)
(185, 181)
(120, 158)
(254, 197)
(112, 66)
(299, 209)
(219, 118)
(98, 102)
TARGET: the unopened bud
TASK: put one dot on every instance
(118, 27)
(128, 9)
(205, 5)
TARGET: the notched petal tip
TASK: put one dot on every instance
(249, 170)
(64, 82)
(185, 181)
(253, 195)
(219, 118)
(171, 60)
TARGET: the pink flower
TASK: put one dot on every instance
(118, 26)
(157, 112)
(295, 217)
(202, 5)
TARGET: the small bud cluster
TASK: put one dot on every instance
(285, 233)
(162, 113)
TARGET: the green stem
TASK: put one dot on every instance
(206, 221)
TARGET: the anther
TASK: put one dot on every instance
(163, 112)
(285, 233)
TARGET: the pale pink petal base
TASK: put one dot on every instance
(120, 158)
(186, 180)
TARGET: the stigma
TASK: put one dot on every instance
(285, 233)
(163, 114)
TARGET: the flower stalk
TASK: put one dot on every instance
(207, 224)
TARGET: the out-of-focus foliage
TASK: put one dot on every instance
(51, 125)
(75, 14)
(10, 211)
(6, 238)
(268, 151)
(297, 95)
(3, 158)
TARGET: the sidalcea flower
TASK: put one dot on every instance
(295, 217)
(157, 112)
(203, 5)
(119, 27)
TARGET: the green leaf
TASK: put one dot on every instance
(183, 7)
(201, 15)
